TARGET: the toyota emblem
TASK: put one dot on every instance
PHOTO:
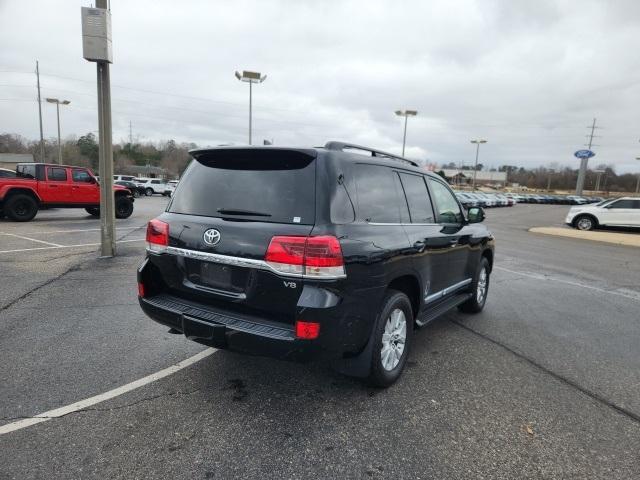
(211, 237)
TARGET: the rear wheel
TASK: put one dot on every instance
(392, 339)
(585, 222)
(124, 207)
(21, 208)
(95, 211)
(479, 289)
(148, 192)
(136, 193)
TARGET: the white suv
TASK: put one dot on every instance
(151, 185)
(614, 212)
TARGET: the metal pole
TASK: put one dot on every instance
(583, 163)
(404, 137)
(107, 210)
(59, 142)
(42, 159)
(638, 184)
(549, 183)
(475, 169)
(250, 107)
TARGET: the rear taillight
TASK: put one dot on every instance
(316, 257)
(157, 236)
(141, 290)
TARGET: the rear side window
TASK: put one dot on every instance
(378, 197)
(259, 185)
(418, 199)
(57, 174)
(26, 171)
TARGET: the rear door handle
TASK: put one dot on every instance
(453, 242)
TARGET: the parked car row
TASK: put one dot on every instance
(556, 199)
(485, 200)
(145, 186)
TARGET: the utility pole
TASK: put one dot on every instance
(130, 134)
(97, 47)
(42, 159)
(583, 161)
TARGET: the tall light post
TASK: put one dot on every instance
(58, 103)
(475, 168)
(250, 78)
(638, 181)
(551, 172)
(406, 114)
(599, 172)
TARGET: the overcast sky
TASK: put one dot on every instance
(529, 76)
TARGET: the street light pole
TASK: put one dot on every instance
(475, 168)
(551, 171)
(406, 114)
(250, 78)
(638, 181)
(58, 102)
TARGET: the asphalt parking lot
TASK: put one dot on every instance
(544, 383)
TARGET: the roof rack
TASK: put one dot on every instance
(340, 146)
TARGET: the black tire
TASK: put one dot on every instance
(136, 193)
(95, 211)
(21, 207)
(148, 192)
(480, 282)
(124, 207)
(585, 222)
(379, 374)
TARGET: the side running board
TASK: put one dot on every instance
(434, 311)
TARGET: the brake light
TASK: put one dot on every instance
(141, 290)
(157, 236)
(308, 256)
(307, 330)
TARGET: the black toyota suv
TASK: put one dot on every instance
(332, 252)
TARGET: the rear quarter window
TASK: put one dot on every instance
(252, 184)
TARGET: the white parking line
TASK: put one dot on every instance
(43, 232)
(67, 246)
(540, 276)
(116, 392)
(32, 239)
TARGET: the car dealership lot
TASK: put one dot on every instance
(544, 383)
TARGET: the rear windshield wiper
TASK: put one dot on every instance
(230, 211)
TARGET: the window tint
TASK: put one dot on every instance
(26, 171)
(446, 205)
(636, 204)
(57, 174)
(418, 198)
(623, 204)
(155, 182)
(81, 176)
(257, 185)
(378, 199)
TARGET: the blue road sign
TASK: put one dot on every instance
(584, 154)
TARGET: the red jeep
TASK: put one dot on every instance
(39, 185)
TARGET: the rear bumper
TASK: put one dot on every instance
(221, 330)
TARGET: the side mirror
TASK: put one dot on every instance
(475, 215)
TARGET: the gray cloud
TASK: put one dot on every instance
(528, 76)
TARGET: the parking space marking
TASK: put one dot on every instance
(33, 239)
(43, 232)
(17, 250)
(542, 276)
(116, 392)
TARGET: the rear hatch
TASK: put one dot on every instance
(228, 206)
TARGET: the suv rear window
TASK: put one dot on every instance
(261, 185)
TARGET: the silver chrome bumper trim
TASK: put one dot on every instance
(242, 262)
